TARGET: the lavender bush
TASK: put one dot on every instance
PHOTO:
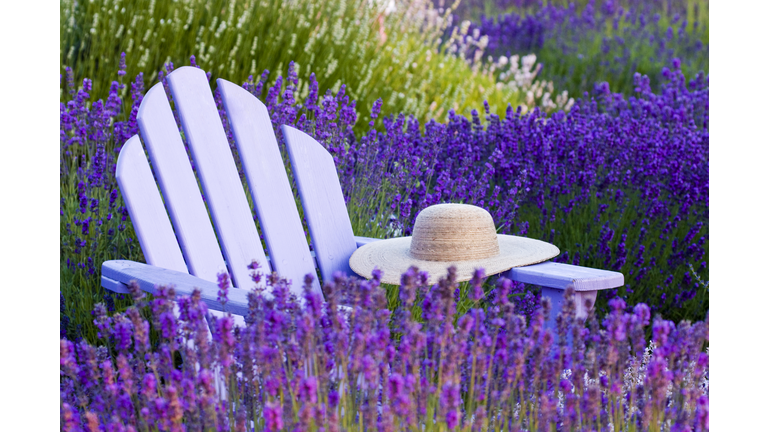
(94, 220)
(306, 364)
(580, 45)
(618, 183)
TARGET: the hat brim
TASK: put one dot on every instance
(392, 257)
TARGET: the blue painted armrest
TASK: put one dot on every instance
(556, 275)
(361, 241)
(117, 274)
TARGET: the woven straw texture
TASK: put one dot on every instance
(450, 234)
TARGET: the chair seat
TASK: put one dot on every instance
(557, 275)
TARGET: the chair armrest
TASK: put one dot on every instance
(117, 274)
(361, 241)
(556, 275)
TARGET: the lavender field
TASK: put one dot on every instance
(585, 125)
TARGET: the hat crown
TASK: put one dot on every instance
(454, 232)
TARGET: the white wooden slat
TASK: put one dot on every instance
(177, 181)
(216, 169)
(558, 275)
(268, 182)
(148, 215)
(323, 202)
(149, 277)
(362, 241)
(114, 286)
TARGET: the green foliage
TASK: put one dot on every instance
(609, 47)
(397, 57)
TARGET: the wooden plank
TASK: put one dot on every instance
(323, 202)
(272, 196)
(362, 241)
(557, 275)
(114, 285)
(149, 277)
(177, 181)
(148, 215)
(218, 174)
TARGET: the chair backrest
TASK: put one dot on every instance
(195, 235)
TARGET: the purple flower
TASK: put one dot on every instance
(449, 402)
(225, 340)
(273, 416)
(70, 420)
(122, 333)
(149, 387)
(122, 67)
(661, 330)
(476, 285)
(308, 390)
(333, 398)
(223, 282)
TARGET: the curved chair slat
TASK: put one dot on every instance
(323, 202)
(148, 215)
(179, 186)
(268, 182)
(218, 174)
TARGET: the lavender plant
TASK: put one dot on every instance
(580, 45)
(94, 220)
(349, 363)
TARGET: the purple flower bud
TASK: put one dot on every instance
(449, 401)
(223, 283)
(273, 416)
(661, 330)
(308, 390)
(122, 66)
(643, 313)
(333, 399)
(476, 285)
(376, 274)
(149, 387)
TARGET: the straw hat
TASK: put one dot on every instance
(450, 234)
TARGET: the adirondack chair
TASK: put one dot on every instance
(185, 247)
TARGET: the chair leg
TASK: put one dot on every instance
(219, 383)
(581, 302)
(556, 296)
